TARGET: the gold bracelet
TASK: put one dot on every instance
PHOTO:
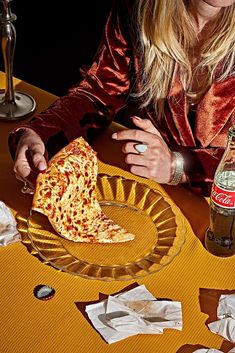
(178, 169)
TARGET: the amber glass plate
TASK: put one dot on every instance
(156, 222)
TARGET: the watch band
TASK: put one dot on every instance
(178, 167)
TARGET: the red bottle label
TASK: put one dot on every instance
(223, 197)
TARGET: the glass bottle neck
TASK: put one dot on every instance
(231, 133)
(231, 137)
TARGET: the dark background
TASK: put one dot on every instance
(54, 39)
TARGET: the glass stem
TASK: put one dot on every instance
(8, 39)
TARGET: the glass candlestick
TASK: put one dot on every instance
(14, 105)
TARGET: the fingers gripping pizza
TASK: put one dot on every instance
(66, 194)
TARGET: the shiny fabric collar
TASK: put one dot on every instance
(213, 112)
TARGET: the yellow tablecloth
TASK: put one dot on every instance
(195, 277)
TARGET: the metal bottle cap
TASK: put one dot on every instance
(44, 292)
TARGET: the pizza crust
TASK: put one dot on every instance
(66, 194)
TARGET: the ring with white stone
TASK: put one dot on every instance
(141, 147)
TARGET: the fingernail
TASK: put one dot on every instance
(114, 136)
(42, 166)
(136, 118)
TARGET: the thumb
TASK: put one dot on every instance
(146, 125)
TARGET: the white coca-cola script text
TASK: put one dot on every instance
(222, 197)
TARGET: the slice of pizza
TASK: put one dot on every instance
(66, 194)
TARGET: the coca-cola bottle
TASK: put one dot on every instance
(220, 237)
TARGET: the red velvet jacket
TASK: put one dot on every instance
(104, 93)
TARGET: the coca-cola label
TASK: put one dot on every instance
(222, 197)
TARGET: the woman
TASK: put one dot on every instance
(174, 61)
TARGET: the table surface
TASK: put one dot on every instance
(195, 277)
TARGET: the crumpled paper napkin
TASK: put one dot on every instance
(225, 326)
(8, 230)
(134, 312)
(212, 350)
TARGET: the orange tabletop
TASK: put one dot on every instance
(195, 277)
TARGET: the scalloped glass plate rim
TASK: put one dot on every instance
(179, 221)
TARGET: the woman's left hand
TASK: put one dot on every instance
(155, 163)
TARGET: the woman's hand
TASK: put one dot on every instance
(29, 158)
(156, 162)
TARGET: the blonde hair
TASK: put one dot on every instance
(167, 33)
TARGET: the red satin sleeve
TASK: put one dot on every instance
(93, 102)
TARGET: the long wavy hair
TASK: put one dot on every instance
(168, 35)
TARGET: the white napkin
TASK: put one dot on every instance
(225, 326)
(205, 350)
(133, 312)
(8, 230)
